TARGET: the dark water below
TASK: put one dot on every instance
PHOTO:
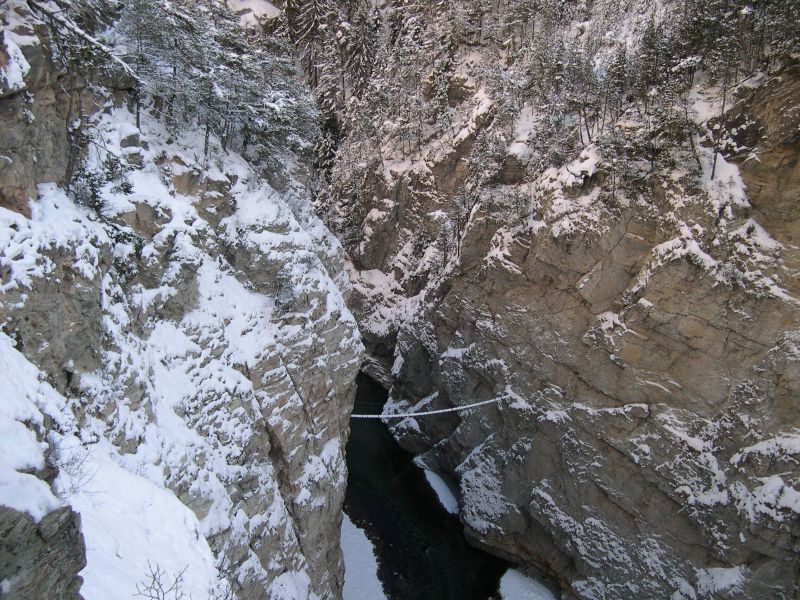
(422, 553)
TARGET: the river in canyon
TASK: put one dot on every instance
(422, 553)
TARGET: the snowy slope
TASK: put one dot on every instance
(516, 586)
(211, 302)
(27, 399)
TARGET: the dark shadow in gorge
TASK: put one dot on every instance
(422, 553)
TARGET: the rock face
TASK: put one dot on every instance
(30, 153)
(642, 341)
(192, 323)
(41, 560)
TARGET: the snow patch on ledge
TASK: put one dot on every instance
(25, 398)
(446, 497)
(360, 564)
(515, 585)
(721, 579)
(131, 524)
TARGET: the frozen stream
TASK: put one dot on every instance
(421, 551)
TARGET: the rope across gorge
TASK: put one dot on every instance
(428, 413)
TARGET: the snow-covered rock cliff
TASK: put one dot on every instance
(177, 358)
(588, 210)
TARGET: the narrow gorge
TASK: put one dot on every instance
(217, 217)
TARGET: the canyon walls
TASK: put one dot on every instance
(620, 271)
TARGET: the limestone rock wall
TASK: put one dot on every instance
(30, 153)
(642, 341)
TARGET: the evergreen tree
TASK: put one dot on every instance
(649, 69)
(199, 65)
(359, 40)
(617, 81)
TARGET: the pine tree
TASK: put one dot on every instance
(649, 64)
(617, 81)
(580, 89)
(359, 41)
(199, 65)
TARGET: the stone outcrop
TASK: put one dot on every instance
(622, 441)
(41, 560)
(33, 137)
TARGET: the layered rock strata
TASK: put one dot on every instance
(642, 341)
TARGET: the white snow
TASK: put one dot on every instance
(480, 484)
(499, 253)
(360, 564)
(254, 10)
(783, 445)
(56, 223)
(456, 353)
(384, 296)
(484, 104)
(23, 399)
(609, 321)
(727, 187)
(721, 579)
(772, 499)
(127, 521)
(525, 126)
(755, 233)
(12, 76)
(196, 410)
(514, 585)
(446, 497)
(565, 213)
